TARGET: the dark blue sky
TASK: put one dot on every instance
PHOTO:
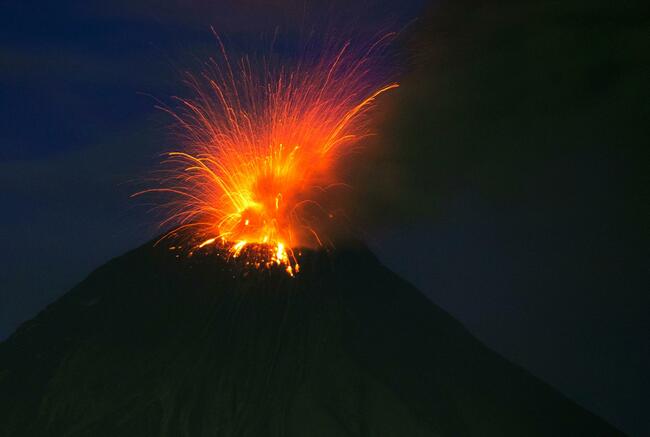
(517, 208)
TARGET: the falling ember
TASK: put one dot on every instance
(260, 152)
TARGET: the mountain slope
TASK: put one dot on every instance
(155, 344)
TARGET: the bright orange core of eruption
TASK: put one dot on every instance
(260, 151)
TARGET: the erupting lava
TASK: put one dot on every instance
(260, 148)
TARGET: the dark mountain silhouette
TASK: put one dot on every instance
(152, 344)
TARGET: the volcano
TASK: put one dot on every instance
(156, 344)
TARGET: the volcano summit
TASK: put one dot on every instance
(152, 344)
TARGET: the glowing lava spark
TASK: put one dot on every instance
(260, 148)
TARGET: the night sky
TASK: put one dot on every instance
(508, 180)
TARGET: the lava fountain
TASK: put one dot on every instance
(260, 146)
